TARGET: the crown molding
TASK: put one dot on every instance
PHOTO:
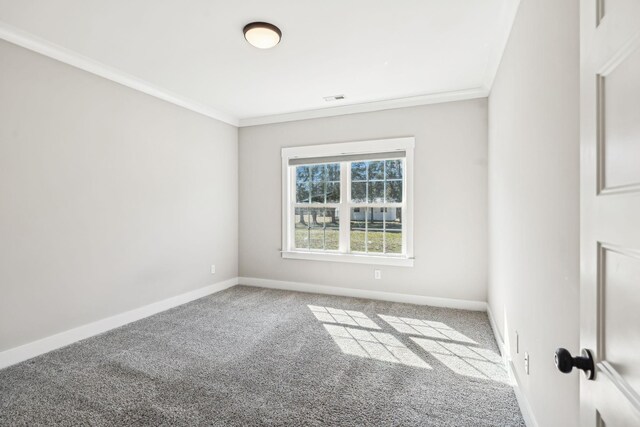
(366, 107)
(59, 53)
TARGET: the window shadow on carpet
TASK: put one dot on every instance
(343, 317)
(357, 335)
(374, 345)
(425, 328)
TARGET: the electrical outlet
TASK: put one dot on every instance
(377, 274)
(526, 363)
(213, 269)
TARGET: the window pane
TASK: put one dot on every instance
(302, 184)
(302, 228)
(393, 231)
(323, 217)
(375, 229)
(333, 172)
(318, 179)
(302, 174)
(358, 229)
(318, 173)
(383, 181)
(333, 192)
(302, 192)
(332, 230)
(316, 239)
(376, 170)
(359, 171)
(333, 183)
(318, 183)
(376, 192)
(394, 192)
(316, 229)
(317, 192)
(359, 191)
(393, 169)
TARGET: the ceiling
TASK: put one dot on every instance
(378, 53)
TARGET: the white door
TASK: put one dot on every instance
(610, 210)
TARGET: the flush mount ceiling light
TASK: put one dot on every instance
(262, 34)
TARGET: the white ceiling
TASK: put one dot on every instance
(192, 52)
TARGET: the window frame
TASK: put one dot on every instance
(406, 144)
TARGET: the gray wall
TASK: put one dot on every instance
(450, 199)
(534, 202)
(109, 199)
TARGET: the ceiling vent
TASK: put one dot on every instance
(334, 98)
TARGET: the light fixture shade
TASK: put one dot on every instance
(262, 34)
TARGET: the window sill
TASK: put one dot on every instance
(350, 258)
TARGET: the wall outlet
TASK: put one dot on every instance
(213, 269)
(377, 274)
(526, 363)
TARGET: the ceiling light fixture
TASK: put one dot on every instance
(262, 34)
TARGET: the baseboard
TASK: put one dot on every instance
(363, 293)
(496, 332)
(53, 342)
(523, 403)
(525, 408)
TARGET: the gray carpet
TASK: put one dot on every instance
(249, 357)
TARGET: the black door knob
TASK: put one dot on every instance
(565, 362)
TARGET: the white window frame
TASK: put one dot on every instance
(406, 144)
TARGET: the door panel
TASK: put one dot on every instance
(620, 111)
(620, 298)
(610, 210)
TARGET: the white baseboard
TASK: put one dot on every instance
(525, 408)
(523, 403)
(364, 293)
(53, 342)
(496, 332)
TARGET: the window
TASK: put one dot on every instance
(349, 202)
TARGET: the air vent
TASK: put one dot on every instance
(333, 98)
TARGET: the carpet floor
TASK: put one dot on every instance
(248, 357)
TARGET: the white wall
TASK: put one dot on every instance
(109, 199)
(450, 200)
(534, 202)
